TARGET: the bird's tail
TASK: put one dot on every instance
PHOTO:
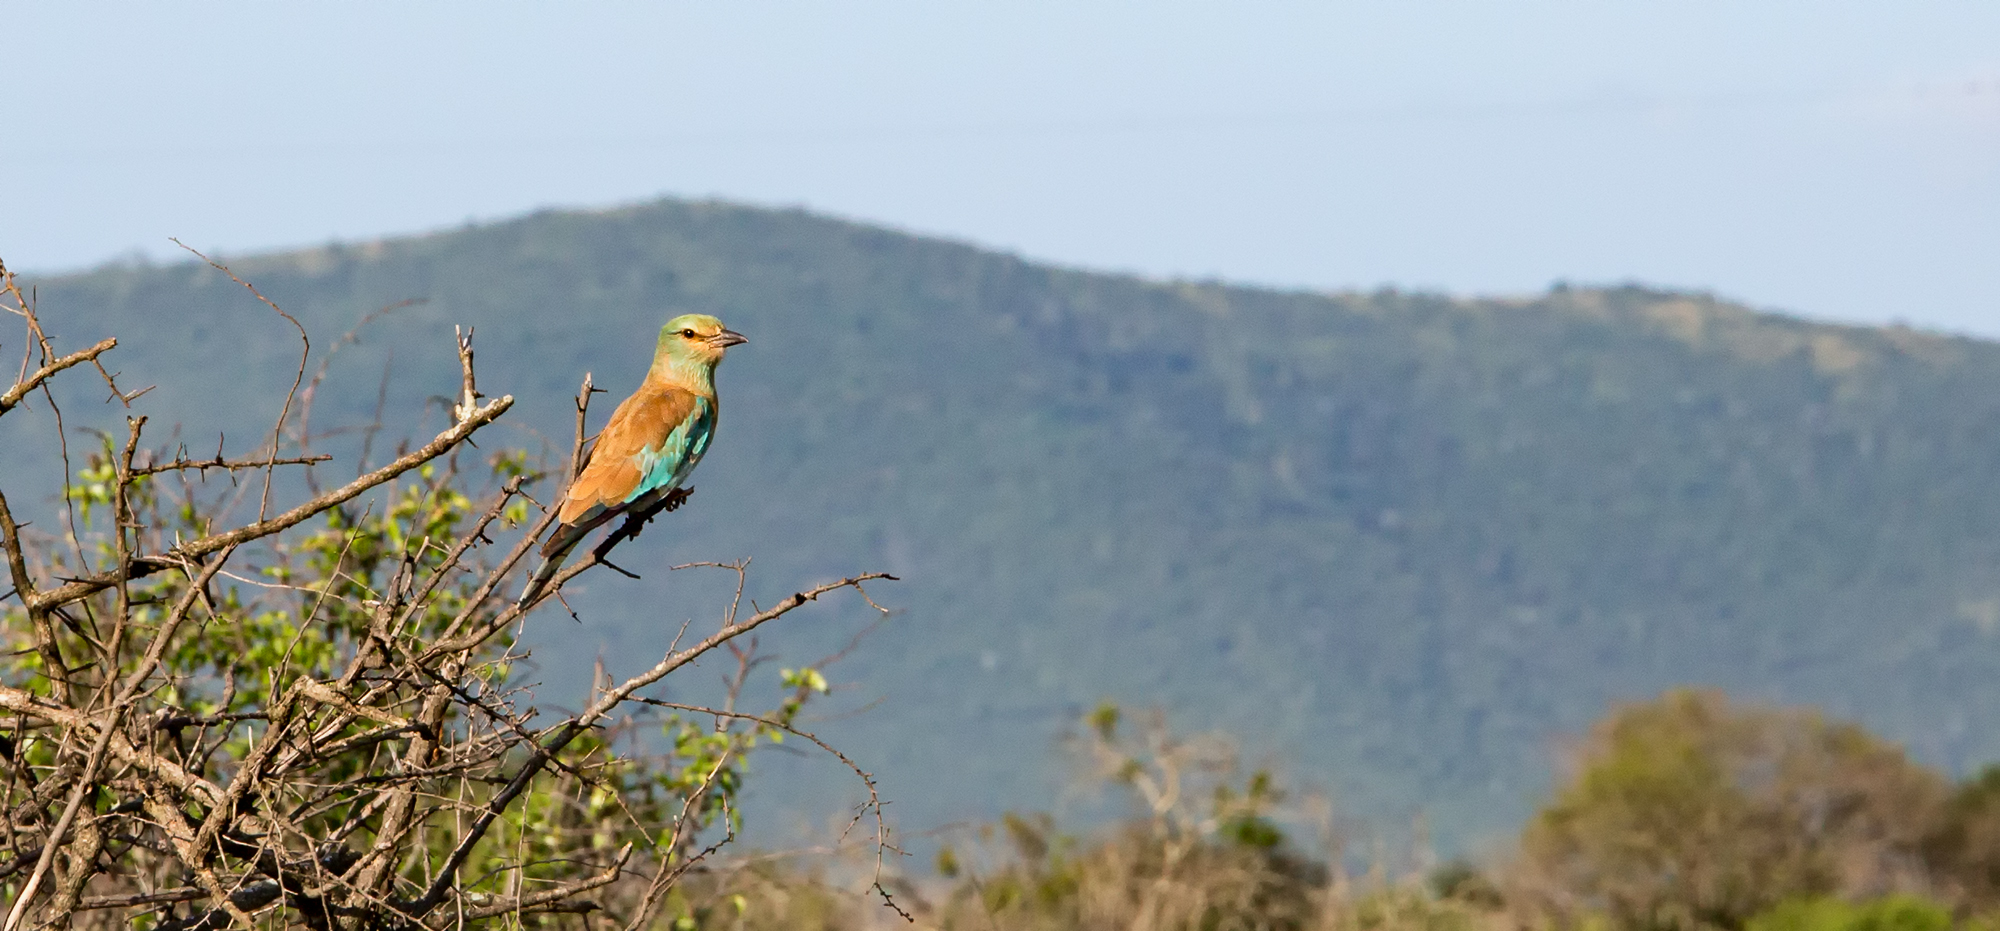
(559, 544)
(554, 551)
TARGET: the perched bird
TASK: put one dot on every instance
(653, 440)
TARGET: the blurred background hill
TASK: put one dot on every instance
(1398, 542)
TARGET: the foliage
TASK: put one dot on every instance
(1891, 913)
(1693, 812)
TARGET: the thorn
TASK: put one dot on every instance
(617, 568)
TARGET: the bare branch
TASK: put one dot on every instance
(184, 464)
(17, 564)
(163, 897)
(578, 451)
(13, 395)
(534, 901)
(468, 396)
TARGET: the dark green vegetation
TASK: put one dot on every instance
(1398, 542)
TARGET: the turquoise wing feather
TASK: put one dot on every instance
(665, 467)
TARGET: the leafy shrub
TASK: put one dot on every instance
(1692, 812)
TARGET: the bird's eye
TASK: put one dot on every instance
(687, 334)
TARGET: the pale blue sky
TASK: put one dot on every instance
(1839, 159)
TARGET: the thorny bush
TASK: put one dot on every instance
(307, 716)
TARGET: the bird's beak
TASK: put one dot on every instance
(726, 339)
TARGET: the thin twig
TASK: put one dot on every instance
(285, 412)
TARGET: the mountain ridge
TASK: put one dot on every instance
(1399, 543)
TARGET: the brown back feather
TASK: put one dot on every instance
(612, 474)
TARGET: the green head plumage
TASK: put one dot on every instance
(690, 346)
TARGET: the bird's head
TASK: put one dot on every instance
(692, 343)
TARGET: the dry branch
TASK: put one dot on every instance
(22, 388)
(184, 464)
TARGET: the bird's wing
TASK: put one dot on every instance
(650, 443)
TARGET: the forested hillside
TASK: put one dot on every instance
(1398, 543)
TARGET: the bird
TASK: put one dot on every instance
(652, 441)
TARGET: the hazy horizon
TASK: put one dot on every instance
(1837, 164)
